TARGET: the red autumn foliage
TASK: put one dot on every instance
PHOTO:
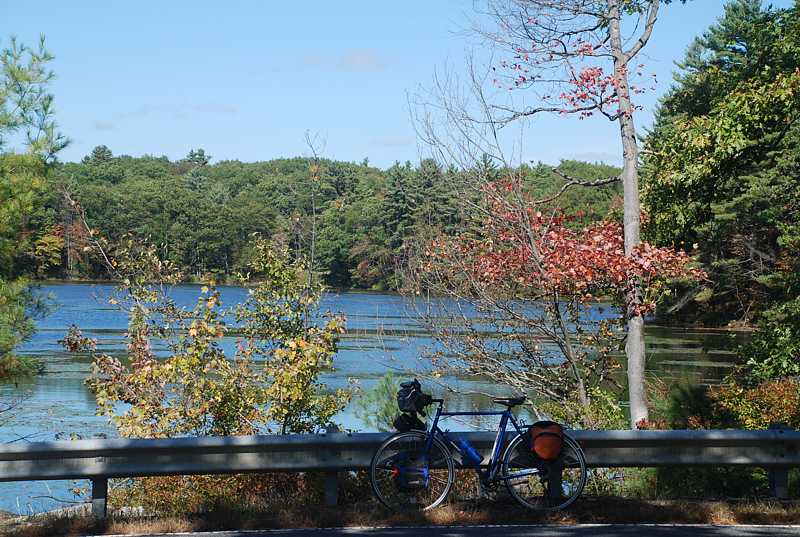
(521, 246)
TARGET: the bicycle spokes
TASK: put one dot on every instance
(544, 485)
(406, 474)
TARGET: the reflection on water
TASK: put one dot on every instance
(383, 335)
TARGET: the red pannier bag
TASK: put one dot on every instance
(547, 439)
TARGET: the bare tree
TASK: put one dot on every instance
(568, 57)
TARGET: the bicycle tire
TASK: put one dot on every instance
(534, 490)
(409, 444)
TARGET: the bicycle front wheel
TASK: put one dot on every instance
(406, 476)
(544, 485)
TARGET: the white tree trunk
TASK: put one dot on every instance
(634, 346)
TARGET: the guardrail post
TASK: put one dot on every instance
(331, 484)
(99, 495)
(779, 476)
(779, 483)
(331, 488)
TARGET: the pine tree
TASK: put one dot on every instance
(99, 155)
(26, 107)
(194, 179)
(400, 204)
(198, 157)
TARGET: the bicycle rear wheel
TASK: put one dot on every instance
(544, 485)
(404, 476)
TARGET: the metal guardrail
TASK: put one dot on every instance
(100, 460)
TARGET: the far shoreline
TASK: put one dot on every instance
(194, 283)
(656, 323)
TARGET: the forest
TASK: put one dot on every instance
(201, 215)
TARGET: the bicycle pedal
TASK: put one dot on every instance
(485, 489)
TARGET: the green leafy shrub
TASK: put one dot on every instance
(18, 308)
(715, 482)
(603, 411)
(691, 407)
(731, 405)
(774, 351)
(377, 408)
(687, 405)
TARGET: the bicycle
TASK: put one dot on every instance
(415, 469)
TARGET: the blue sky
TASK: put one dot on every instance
(246, 79)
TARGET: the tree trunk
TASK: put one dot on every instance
(634, 346)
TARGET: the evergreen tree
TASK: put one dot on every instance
(198, 157)
(194, 180)
(400, 204)
(26, 107)
(99, 155)
(741, 43)
(722, 162)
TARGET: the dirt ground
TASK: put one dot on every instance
(596, 510)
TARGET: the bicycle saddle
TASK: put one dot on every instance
(509, 401)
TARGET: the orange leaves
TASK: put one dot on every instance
(521, 246)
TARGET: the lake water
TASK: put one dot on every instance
(383, 334)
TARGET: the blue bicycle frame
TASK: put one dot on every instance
(499, 442)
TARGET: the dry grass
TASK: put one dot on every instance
(600, 510)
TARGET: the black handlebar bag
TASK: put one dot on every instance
(410, 397)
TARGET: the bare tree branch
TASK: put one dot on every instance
(574, 181)
(648, 31)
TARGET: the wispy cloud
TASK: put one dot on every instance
(180, 112)
(216, 109)
(361, 59)
(103, 126)
(393, 141)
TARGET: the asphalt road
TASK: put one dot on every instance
(519, 531)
